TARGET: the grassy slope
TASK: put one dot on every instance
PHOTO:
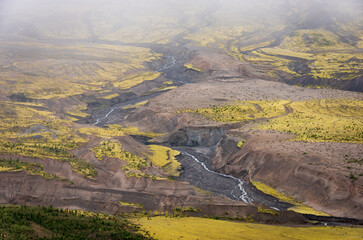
(165, 157)
(92, 68)
(40, 134)
(326, 120)
(300, 208)
(203, 228)
(323, 121)
(243, 111)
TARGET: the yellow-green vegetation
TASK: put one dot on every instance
(114, 130)
(287, 52)
(327, 120)
(209, 36)
(110, 96)
(255, 46)
(344, 65)
(135, 131)
(113, 149)
(202, 191)
(160, 89)
(317, 39)
(130, 204)
(190, 66)
(165, 157)
(109, 132)
(77, 111)
(326, 55)
(72, 69)
(136, 79)
(299, 207)
(243, 111)
(56, 151)
(204, 228)
(9, 165)
(279, 63)
(170, 82)
(139, 104)
(240, 143)
(232, 51)
(26, 121)
(29, 132)
(268, 210)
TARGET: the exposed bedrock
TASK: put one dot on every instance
(150, 120)
(324, 188)
(197, 137)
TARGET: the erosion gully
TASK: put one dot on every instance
(196, 167)
(194, 161)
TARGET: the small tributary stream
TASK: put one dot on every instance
(102, 116)
(195, 170)
(237, 192)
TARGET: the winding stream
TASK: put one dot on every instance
(169, 64)
(238, 192)
(243, 194)
(98, 120)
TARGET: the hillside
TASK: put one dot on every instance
(251, 110)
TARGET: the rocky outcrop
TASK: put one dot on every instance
(197, 137)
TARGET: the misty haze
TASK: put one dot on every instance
(165, 119)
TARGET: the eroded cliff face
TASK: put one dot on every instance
(103, 192)
(317, 180)
(197, 137)
(104, 195)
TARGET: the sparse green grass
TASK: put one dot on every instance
(29, 132)
(300, 208)
(139, 104)
(204, 228)
(190, 66)
(242, 111)
(277, 62)
(268, 211)
(77, 111)
(135, 131)
(109, 132)
(9, 165)
(255, 46)
(160, 89)
(327, 56)
(76, 69)
(130, 204)
(340, 65)
(136, 79)
(110, 96)
(202, 191)
(328, 120)
(287, 52)
(317, 39)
